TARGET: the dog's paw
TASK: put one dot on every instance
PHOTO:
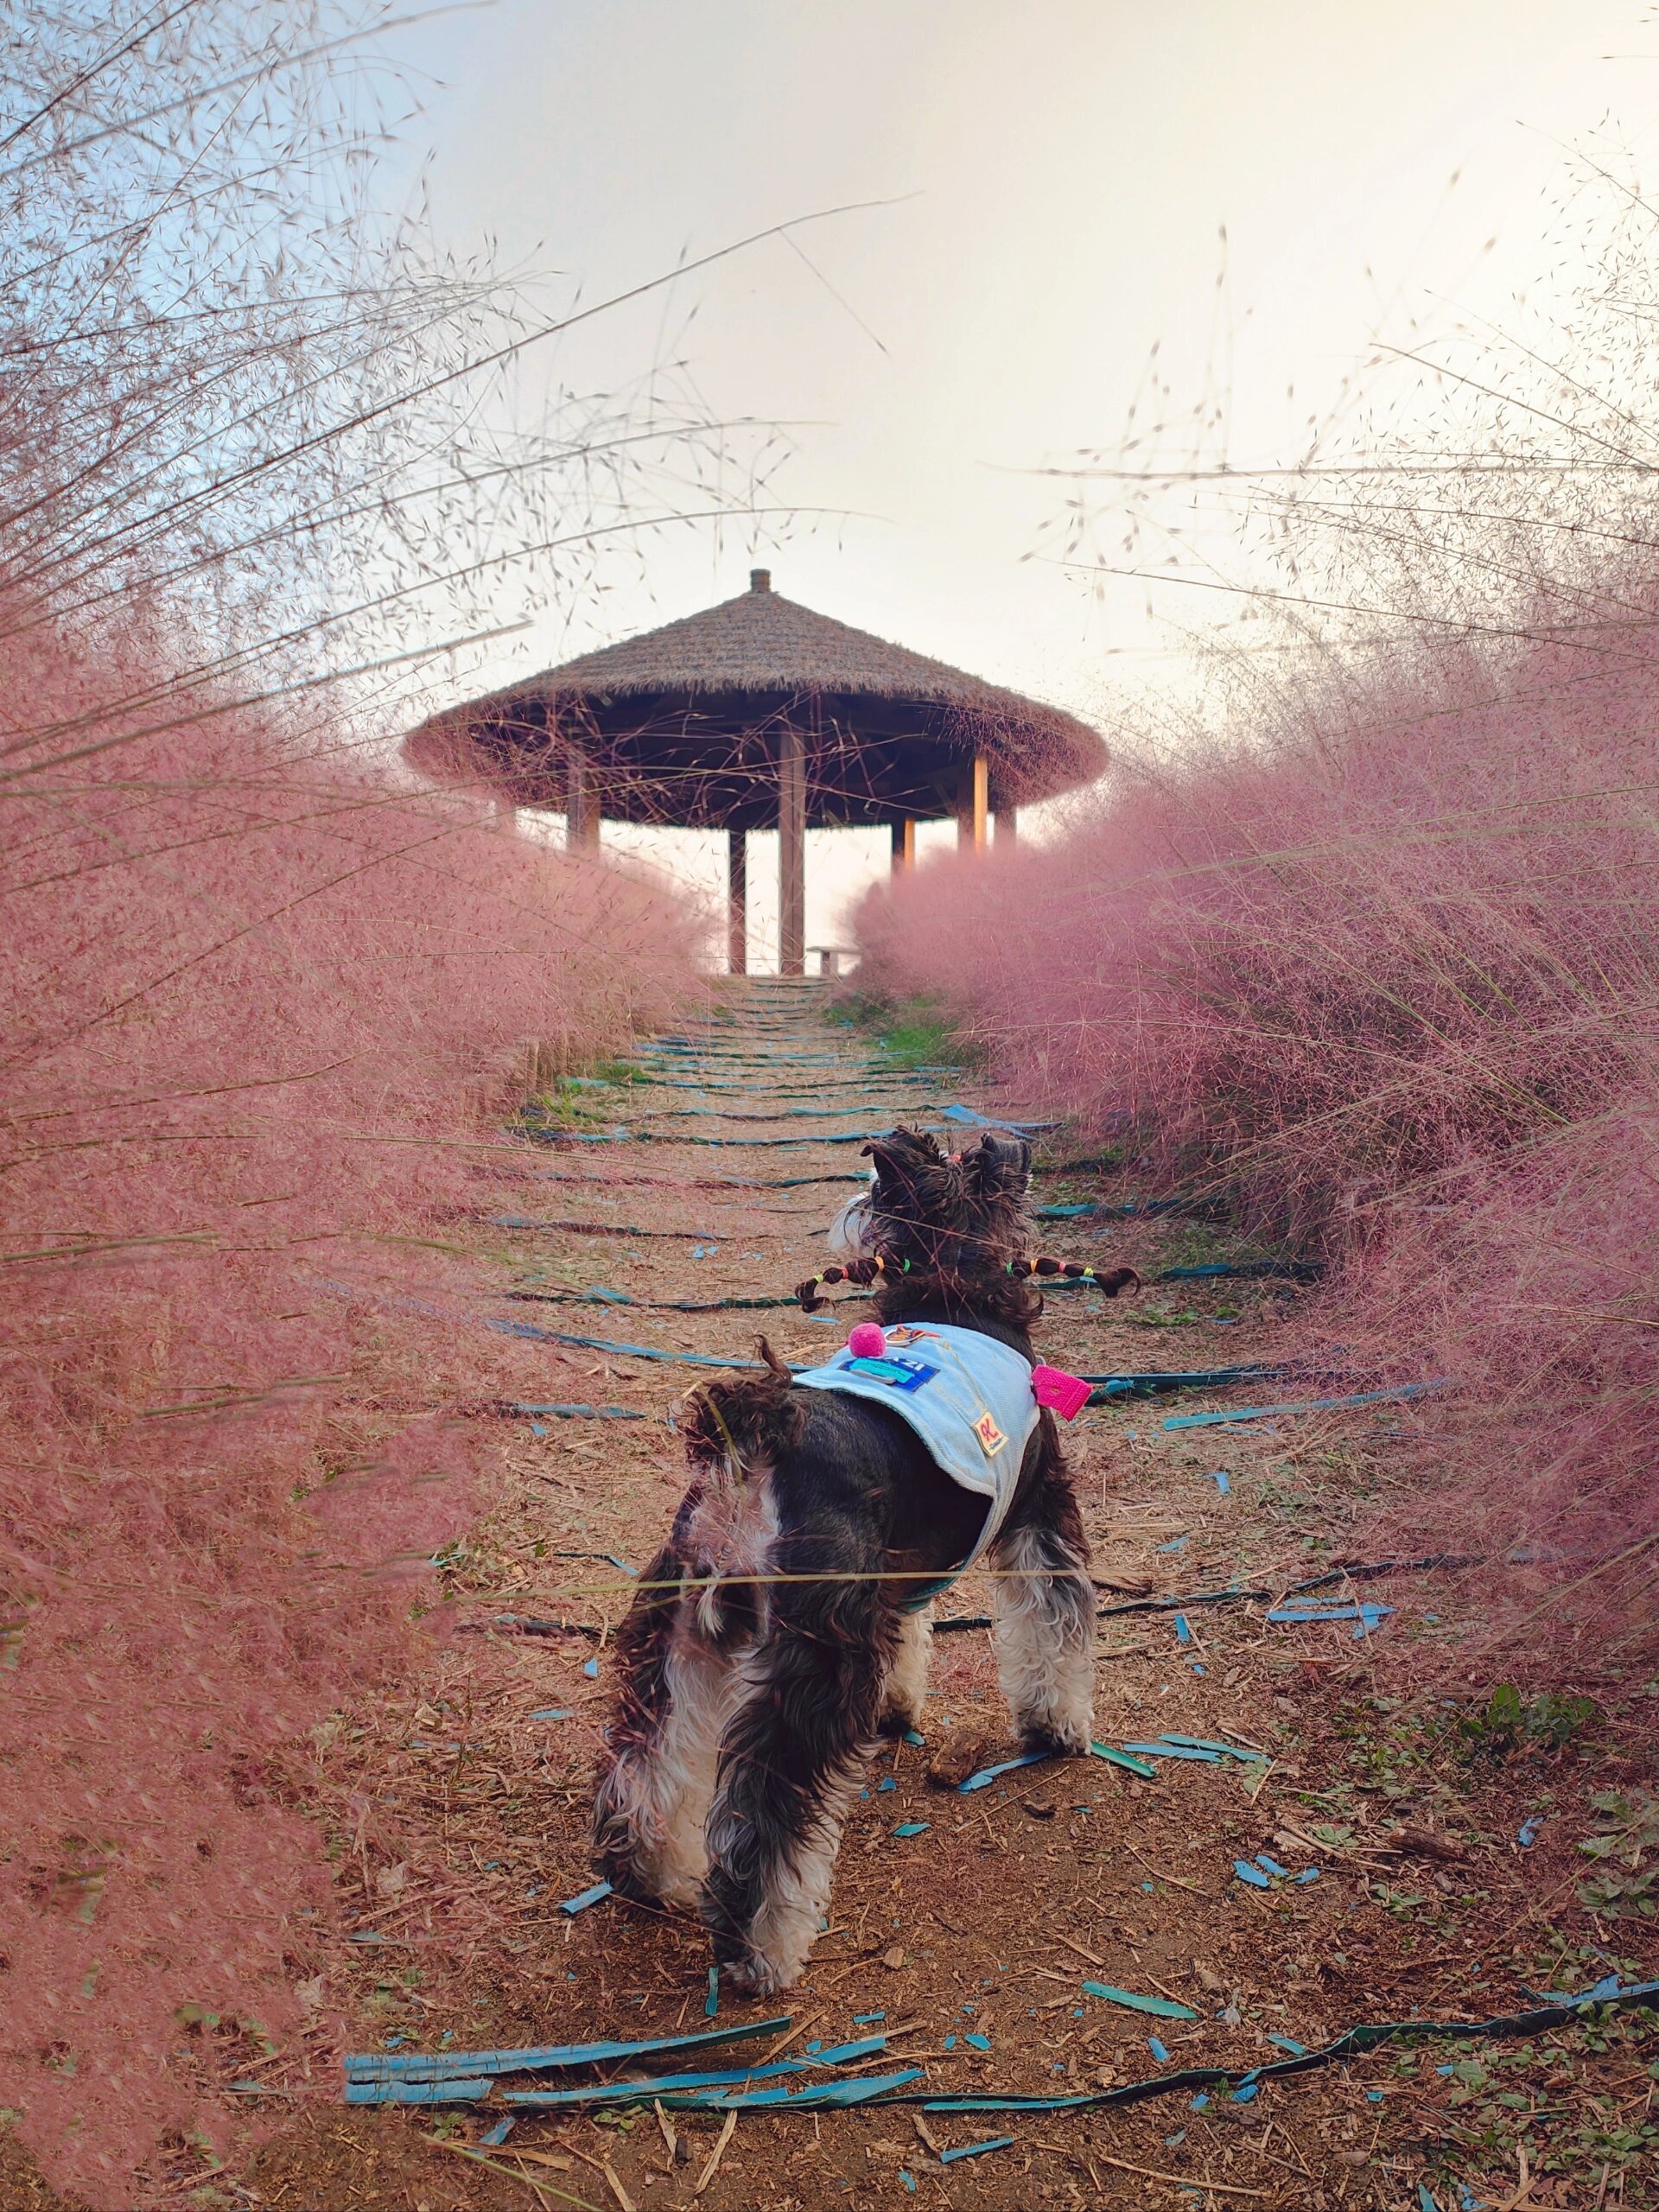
(760, 1976)
(1060, 1740)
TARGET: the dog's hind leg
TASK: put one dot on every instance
(658, 1772)
(794, 1752)
(905, 1687)
(1044, 1605)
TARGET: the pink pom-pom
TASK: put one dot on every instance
(866, 1341)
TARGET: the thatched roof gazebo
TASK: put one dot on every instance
(759, 714)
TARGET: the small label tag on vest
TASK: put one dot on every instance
(901, 1373)
(991, 1438)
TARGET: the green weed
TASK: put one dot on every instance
(1627, 1831)
(1509, 1723)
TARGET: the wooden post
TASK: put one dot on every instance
(973, 805)
(792, 852)
(581, 802)
(1007, 825)
(904, 847)
(737, 901)
(506, 814)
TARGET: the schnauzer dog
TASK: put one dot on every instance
(782, 1629)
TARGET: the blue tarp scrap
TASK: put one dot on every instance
(975, 2150)
(1126, 1759)
(619, 1350)
(1305, 1406)
(639, 2092)
(1355, 2044)
(1366, 1617)
(1155, 1380)
(1163, 1750)
(536, 2059)
(575, 1411)
(969, 1119)
(988, 1775)
(449, 2089)
(1211, 1743)
(818, 2096)
(1165, 2008)
(581, 1902)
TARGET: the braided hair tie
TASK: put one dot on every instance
(1109, 1284)
(863, 1272)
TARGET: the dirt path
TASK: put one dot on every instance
(966, 1943)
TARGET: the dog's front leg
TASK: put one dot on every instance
(794, 1755)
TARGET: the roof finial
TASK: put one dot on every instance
(759, 579)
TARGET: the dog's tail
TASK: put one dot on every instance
(740, 1427)
(736, 1434)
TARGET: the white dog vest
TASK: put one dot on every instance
(967, 1396)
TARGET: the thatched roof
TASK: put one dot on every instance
(676, 724)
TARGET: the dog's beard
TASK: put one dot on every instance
(851, 1233)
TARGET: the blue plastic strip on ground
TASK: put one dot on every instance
(620, 1350)
(1355, 2043)
(600, 1228)
(1306, 1406)
(611, 2093)
(653, 1305)
(988, 1775)
(973, 1120)
(1174, 1751)
(576, 1413)
(1265, 1270)
(462, 2089)
(797, 1144)
(1162, 2008)
(1150, 1384)
(1209, 1744)
(820, 2097)
(601, 1890)
(1129, 1210)
(1302, 1616)
(432, 2065)
(1126, 1759)
(783, 1114)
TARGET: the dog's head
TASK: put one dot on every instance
(960, 1216)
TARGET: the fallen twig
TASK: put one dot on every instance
(1181, 2181)
(496, 2165)
(718, 2153)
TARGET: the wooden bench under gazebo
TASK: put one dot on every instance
(758, 715)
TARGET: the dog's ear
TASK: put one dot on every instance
(902, 1158)
(1000, 1167)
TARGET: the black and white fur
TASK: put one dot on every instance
(749, 1705)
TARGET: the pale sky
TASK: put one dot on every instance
(1060, 172)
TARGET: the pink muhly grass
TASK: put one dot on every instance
(1388, 973)
(257, 1008)
(262, 461)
